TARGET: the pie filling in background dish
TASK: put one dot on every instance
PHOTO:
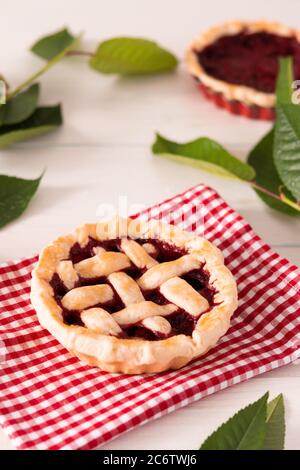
(181, 321)
(249, 59)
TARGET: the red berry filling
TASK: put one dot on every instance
(181, 321)
(249, 59)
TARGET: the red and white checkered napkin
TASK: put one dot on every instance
(49, 400)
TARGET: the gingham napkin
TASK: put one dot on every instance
(50, 400)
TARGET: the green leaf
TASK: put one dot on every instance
(49, 46)
(244, 431)
(206, 154)
(261, 159)
(275, 425)
(20, 107)
(284, 81)
(44, 119)
(15, 195)
(287, 146)
(131, 56)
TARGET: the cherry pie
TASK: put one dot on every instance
(238, 62)
(132, 296)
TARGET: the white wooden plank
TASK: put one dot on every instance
(86, 177)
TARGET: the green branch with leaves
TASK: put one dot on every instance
(21, 118)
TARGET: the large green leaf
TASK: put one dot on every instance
(131, 56)
(49, 46)
(15, 195)
(44, 119)
(246, 430)
(275, 429)
(261, 159)
(287, 146)
(206, 154)
(20, 107)
(284, 81)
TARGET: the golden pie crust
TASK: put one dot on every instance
(244, 94)
(98, 345)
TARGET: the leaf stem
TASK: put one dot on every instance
(43, 69)
(281, 197)
(265, 191)
(286, 200)
(84, 53)
(5, 82)
(30, 80)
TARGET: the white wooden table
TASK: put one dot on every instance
(103, 153)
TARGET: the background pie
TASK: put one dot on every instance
(237, 64)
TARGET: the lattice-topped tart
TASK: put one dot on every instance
(132, 296)
(238, 62)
